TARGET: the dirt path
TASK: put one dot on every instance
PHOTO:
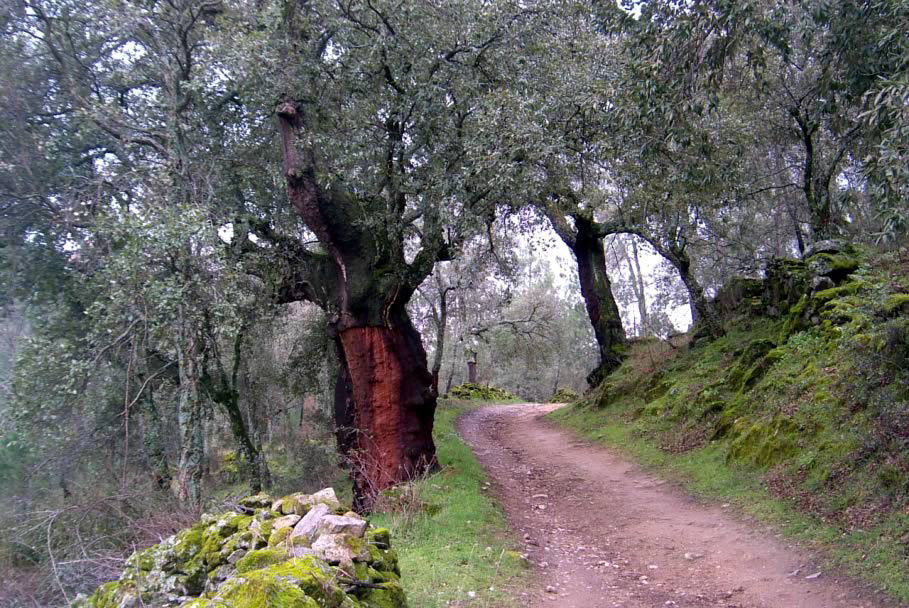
(604, 534)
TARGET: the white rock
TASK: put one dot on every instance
(300, 551)
(340, 524)
(326, 497)
(308, 526)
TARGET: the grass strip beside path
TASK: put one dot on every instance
(451, 536)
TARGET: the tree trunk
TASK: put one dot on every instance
(704, 319)
(384, 407)
(440, 340)
(639, 289)
(252, 456)
(704, 316)
(598, 299)
(188, 484)
(448, 382)
(153, 441)
(472, 372)
(384, 402)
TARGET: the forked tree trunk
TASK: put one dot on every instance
(601, 306)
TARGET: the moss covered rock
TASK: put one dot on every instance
(239, 560)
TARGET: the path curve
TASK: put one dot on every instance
(602, 533)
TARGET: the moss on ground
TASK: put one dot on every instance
(564, 395)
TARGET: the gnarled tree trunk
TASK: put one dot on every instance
(384, 402)
(392, 406)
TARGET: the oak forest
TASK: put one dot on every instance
(374, 304)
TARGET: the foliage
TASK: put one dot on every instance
(564, 395)
(477, 392)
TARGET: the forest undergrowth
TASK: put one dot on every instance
(799, 421)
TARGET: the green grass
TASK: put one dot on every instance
(451, 536)
(877, 555)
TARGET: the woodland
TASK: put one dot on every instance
(251, 245)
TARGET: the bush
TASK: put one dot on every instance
(564, 395)
(476, 392)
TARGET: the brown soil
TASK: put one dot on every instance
(601, 533)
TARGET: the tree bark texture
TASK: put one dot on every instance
(472, 372)
(384, 402)
(188, 483)
(441, 326)
(596, 289)
(153, 442)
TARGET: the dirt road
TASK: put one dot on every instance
(603, 534)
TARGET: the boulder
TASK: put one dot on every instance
(286, 521)
(827, 246)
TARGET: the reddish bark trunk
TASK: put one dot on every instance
(391, 409)
(472, 372)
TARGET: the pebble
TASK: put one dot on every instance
(550, 589)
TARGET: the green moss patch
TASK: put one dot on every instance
(479, 392)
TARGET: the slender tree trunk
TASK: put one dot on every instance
(440, 341)
(596, 290)
(704, 318)
(251, 455)
(448, 382)
(153, 441)
(188, 484)
(259, 464)
(639, 290)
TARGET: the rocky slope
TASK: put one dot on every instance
(299, 551)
